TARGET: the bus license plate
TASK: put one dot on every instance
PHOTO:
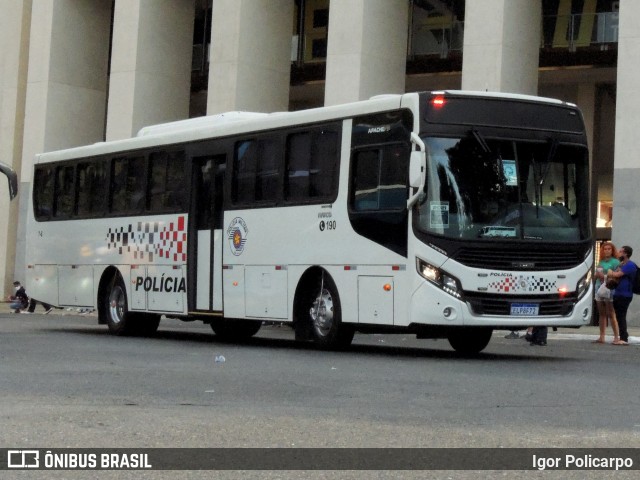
(524, 309)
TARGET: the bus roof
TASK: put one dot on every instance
(230, 123)
(198, 122)
(501, 95)
(225, 124)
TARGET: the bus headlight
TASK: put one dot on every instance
(583, 284)
(440, 278)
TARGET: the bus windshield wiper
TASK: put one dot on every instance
(539, 178)
(553, 146)
(481, 141)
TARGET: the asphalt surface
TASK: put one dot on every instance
(65, 382)
(587, 333)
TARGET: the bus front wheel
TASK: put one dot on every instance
(323, 313)
(470, 341)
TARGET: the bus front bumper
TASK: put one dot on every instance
(432, 306)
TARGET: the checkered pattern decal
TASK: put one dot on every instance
(523, 284)
(148, 240)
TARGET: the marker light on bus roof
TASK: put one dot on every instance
(438, 101)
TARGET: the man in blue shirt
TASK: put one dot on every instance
(623, 294)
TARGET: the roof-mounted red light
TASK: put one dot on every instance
(438, 102)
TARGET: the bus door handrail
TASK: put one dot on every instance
(12, 177)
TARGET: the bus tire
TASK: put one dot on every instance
(119, 320)
(323, 316)
(470, 341)
(235, 330)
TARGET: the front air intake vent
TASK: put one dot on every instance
(492, 304)
(557, 258)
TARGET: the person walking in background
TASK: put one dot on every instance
(604, 297)
(20, 300)
(623, 294)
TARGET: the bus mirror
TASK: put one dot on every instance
(13, 179)
(417, 174)
(416, 169)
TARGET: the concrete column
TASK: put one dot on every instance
(250, 63)
(501, 45)
(626, 166)
(586, 101)
(66, 86)
(150, 64)
(367, 49)
(67, 82)
(14, 47)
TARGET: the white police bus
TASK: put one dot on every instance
(443, 214)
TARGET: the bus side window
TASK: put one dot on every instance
(43, 193)
(176, 181)
(166, 181)
(366, 180)
(91, 188)
(244, 172)
(128, 185)
(298, 165)
(324, 160)
(256, 171)
(378, 194)
(268, 171)
(63, 203)
(312, 158)
(380, 178)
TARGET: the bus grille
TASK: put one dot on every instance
(504, 259)
(490, 304)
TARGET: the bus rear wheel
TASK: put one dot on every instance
(235, 330)
(123, 322)
(119, 320)
(322, 314)
(470, 341)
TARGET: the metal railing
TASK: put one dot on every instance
(579, 30)
(561, 32)
(440, 40)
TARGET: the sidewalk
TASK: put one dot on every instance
(588, 333)
(4, 308)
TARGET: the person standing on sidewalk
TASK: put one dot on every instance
(623, 293)
(604, 299)
(539, 336)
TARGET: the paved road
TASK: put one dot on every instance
(65, 382)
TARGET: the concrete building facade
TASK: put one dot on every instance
(75, 72)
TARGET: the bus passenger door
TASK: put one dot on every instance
(206, 217)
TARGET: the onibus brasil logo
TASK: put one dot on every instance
(237, 234)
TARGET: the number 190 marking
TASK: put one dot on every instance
(329, 225)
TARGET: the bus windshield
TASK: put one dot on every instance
(505, 189)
